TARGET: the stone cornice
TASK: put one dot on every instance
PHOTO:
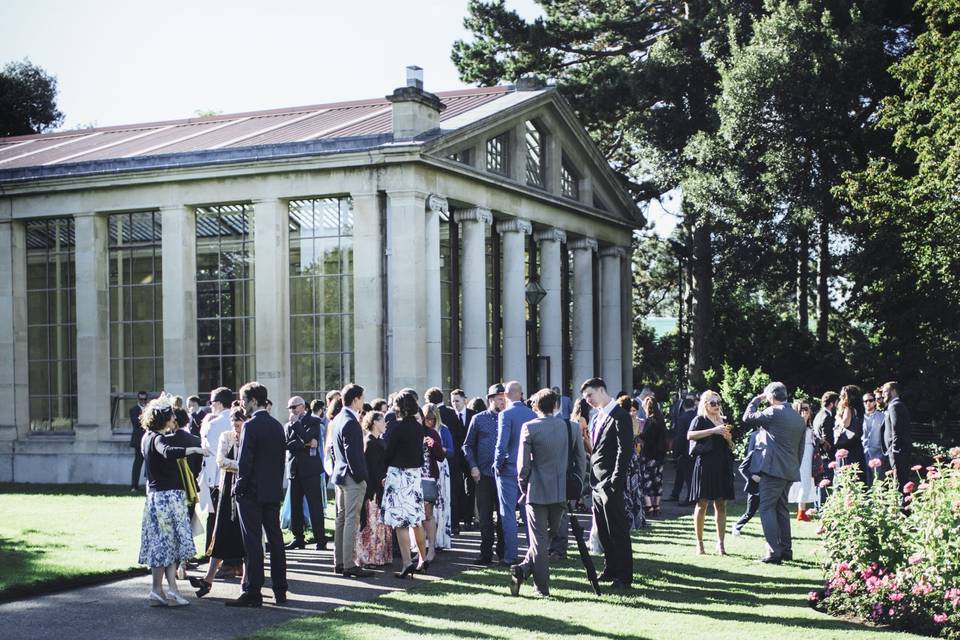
(476, 214)
(551, 234)
(582, 243)
(515, 225)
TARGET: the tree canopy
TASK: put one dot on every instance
(28, 100)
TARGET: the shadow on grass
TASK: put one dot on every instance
(25, 488)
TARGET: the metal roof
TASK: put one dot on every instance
(277, 126)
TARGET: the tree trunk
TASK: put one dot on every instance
(823, 275)
(702, 309)
(803, 279)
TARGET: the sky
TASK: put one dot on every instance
(132, 61)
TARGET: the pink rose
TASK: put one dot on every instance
(916, 558)
(832, 465)
(940, 618)
(842, 453)
(896, 597)
(956, 505)
(955, 463)
(876, 463)
(955, 452)
(825, 482)
(813, 596)
(916, 467)
(933, 474)
(843, 566)
(922, 486)
(909, 487)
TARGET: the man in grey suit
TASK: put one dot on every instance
(897, 435)
(780, 445)
(542, 477)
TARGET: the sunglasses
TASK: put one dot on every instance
(714, 403)
(804, 409)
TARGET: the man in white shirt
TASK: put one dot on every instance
(215, 423)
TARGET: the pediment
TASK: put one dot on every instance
(498, 142)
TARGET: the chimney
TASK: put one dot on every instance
(415, 111)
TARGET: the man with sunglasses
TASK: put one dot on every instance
(873, 418)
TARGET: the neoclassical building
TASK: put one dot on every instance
(447, 239)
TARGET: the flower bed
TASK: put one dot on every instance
(890, 567)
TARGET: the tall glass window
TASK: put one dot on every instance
(569, 183)
(225, 311)
(535, 167)
(136, 309)
(51, 325)
(446, 346)
(497, 154)
(321, 295)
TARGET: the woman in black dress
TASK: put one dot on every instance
(227, 540)
(710, 446)
(848, 429)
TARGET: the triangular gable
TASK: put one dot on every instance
(547, 109)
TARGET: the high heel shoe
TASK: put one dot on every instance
(423, 568)
(407, 572)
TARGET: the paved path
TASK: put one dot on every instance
(119, 610)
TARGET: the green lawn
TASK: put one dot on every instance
(677, 595)
(51, 534)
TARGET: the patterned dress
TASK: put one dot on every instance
(166, 536)
(402, 504)
(441, 510)
(374, 543)
(633, 495)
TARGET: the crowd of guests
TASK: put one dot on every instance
(406, 475)
(790, 455)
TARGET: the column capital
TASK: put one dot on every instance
(583, 243)
(438, 204)
(518, 225)
(613, 252)
(550, 234)
(476, 214)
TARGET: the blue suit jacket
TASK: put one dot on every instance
(509, 424)
(262, 460)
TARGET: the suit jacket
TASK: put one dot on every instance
(681, 446)
(745, 468)
(823, 424)
(299, 434)
(509, 423)
(897, 433)
(136, 435)
(612, 449)
(348, 458)
(782, 441)
(543, 460)
(458, 430)
(262, 459)
(566, 407)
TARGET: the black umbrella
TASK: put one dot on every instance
(584, 553)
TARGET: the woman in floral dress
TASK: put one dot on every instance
(374, 544)
(633, 497)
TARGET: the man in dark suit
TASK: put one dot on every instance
(259, 491)
(681, 449)
(780, 447)
(136, 435)
(350, 482)
(750, 488)
(612, 448)
(465, 484)
(197, 414)
(823, 424)
(306, 466)
(897, 433)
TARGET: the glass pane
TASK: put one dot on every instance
(301, 295)
(209, 373)
(38, 347)
(141, 303)
(142, 339)
(37, 312)
(142, 373)
(328, 298)
(208, 339)
(302, 371)
(302, 335)
(208, 300)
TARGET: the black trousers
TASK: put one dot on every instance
(753, 503)
(469, 504)
(456, 491)
(683, 477)
(610, 513)
(212, 517)
(257, 518)
(137, 468)
(309, 487)
(488, 504)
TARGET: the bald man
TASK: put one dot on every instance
(306, 468)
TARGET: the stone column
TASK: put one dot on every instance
(368, 303)
(406, 298)
(473, 290)
(93, 314)
(436, 206)
(611, 338)
(179, 260)
(271, 281)
(513, 299)
(582, 326)
(14, 390)
(626, 321)
(551, 311)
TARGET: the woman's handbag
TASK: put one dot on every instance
(429, 487)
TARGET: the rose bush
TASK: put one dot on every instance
(892, 565)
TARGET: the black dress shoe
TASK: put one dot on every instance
(202, 586)
(338, 569)
(516, 579)
(619, 585)
(786, 556)
(481, 559)
(296, 544)
(280, 597)
(772, 560)
(606, 576)
(357, 572)
(245, 600)
(322, 545)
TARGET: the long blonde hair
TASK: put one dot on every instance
(705, 399)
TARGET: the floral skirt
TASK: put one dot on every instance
(441, 510)
(633, 496)
(166, 536)
(374, 544)
(652, 477)
(402, 504)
